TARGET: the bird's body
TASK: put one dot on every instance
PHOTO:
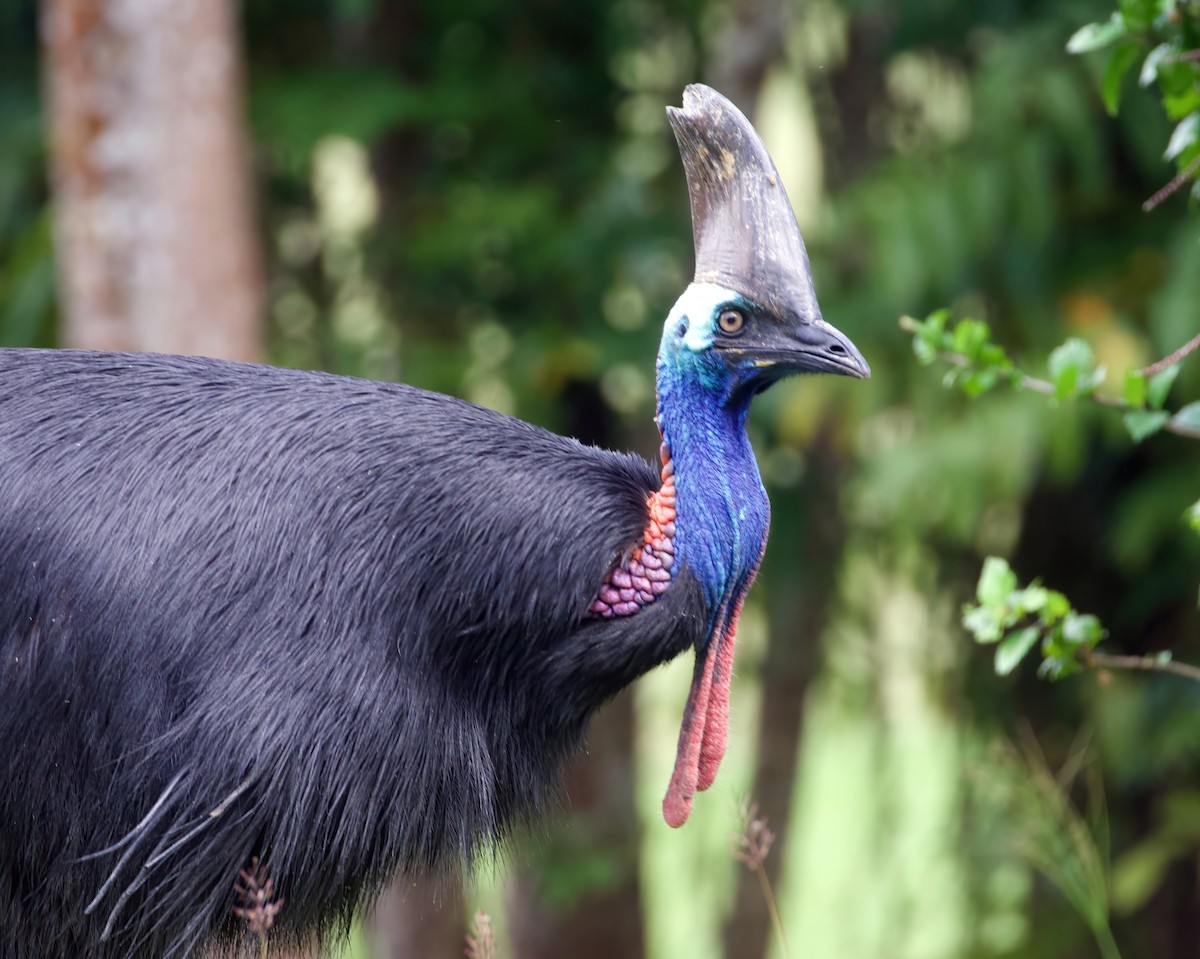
(209, 497)
(351, 629)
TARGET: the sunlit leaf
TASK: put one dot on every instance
(996, 581)
(1096, 36)
(1160, 385)
(1082, 629)
(1056, 607)
(1155, 58)
(1186, 134)
(1135, 388)
(1191, 516)
(983, 622)
(1188, 417)
(1031, 599)
(1145, 423)
(1013, 649)
(1071, 368)
(970, 337)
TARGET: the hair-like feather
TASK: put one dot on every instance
(250, 612)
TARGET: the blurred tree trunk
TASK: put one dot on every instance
(808, 538)
(157, 248)
(595, 844)
(418, 919)
(746, 49)
(602, 916)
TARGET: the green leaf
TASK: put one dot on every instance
(1135, 388)
(1056, 607)
(1145, 423)
(926, 352)
(1096, 36)
(983, 622)
(1189, 417)
(1031, 599)
(996, 582)
(970, 336)
(937, 319)
(976, 382)
(1082, 629)
(1191, 516)
(1179, 104)
(1160, 386)
(1154, 59)
(1014, 648)
(1119, 62)
(1186, 134)
(1056, 667)
(1071, 368)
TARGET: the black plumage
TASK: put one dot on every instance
(221, 504)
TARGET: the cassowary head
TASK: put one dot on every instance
(749, 318)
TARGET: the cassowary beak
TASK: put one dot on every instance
(785, 349)
(747, 240)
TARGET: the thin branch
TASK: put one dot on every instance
(1146, 663)
(1189, 55)
(1173, 186)
(1189, 347)
(1045, 387)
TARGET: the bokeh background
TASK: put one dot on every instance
(482, 197)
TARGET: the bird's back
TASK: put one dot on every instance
(216, 575)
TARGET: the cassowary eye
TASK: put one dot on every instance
(731, 322)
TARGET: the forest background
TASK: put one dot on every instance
(483, 198)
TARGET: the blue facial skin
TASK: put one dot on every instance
(703, 401)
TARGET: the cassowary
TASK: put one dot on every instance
(353, 629)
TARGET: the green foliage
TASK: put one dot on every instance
(1167, 32)
(1073, 369)
(1192, 516)
(980, 363)
(1017, 618)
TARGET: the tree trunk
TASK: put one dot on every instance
(157, 248)
(747, 46)
(587, 905)
(418, 919)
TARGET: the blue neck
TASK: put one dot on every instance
(722, 509)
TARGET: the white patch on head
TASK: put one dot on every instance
(699, 304)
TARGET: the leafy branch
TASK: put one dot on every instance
(1017, 619)
(979, 364)
(1163, 35)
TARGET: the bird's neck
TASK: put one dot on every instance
(722, 512)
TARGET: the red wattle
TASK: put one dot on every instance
(677, 803)
(716, 724)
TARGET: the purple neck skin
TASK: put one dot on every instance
(644, 571)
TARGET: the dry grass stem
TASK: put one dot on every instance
(255, 902)
(481, 942)
(753, 846)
